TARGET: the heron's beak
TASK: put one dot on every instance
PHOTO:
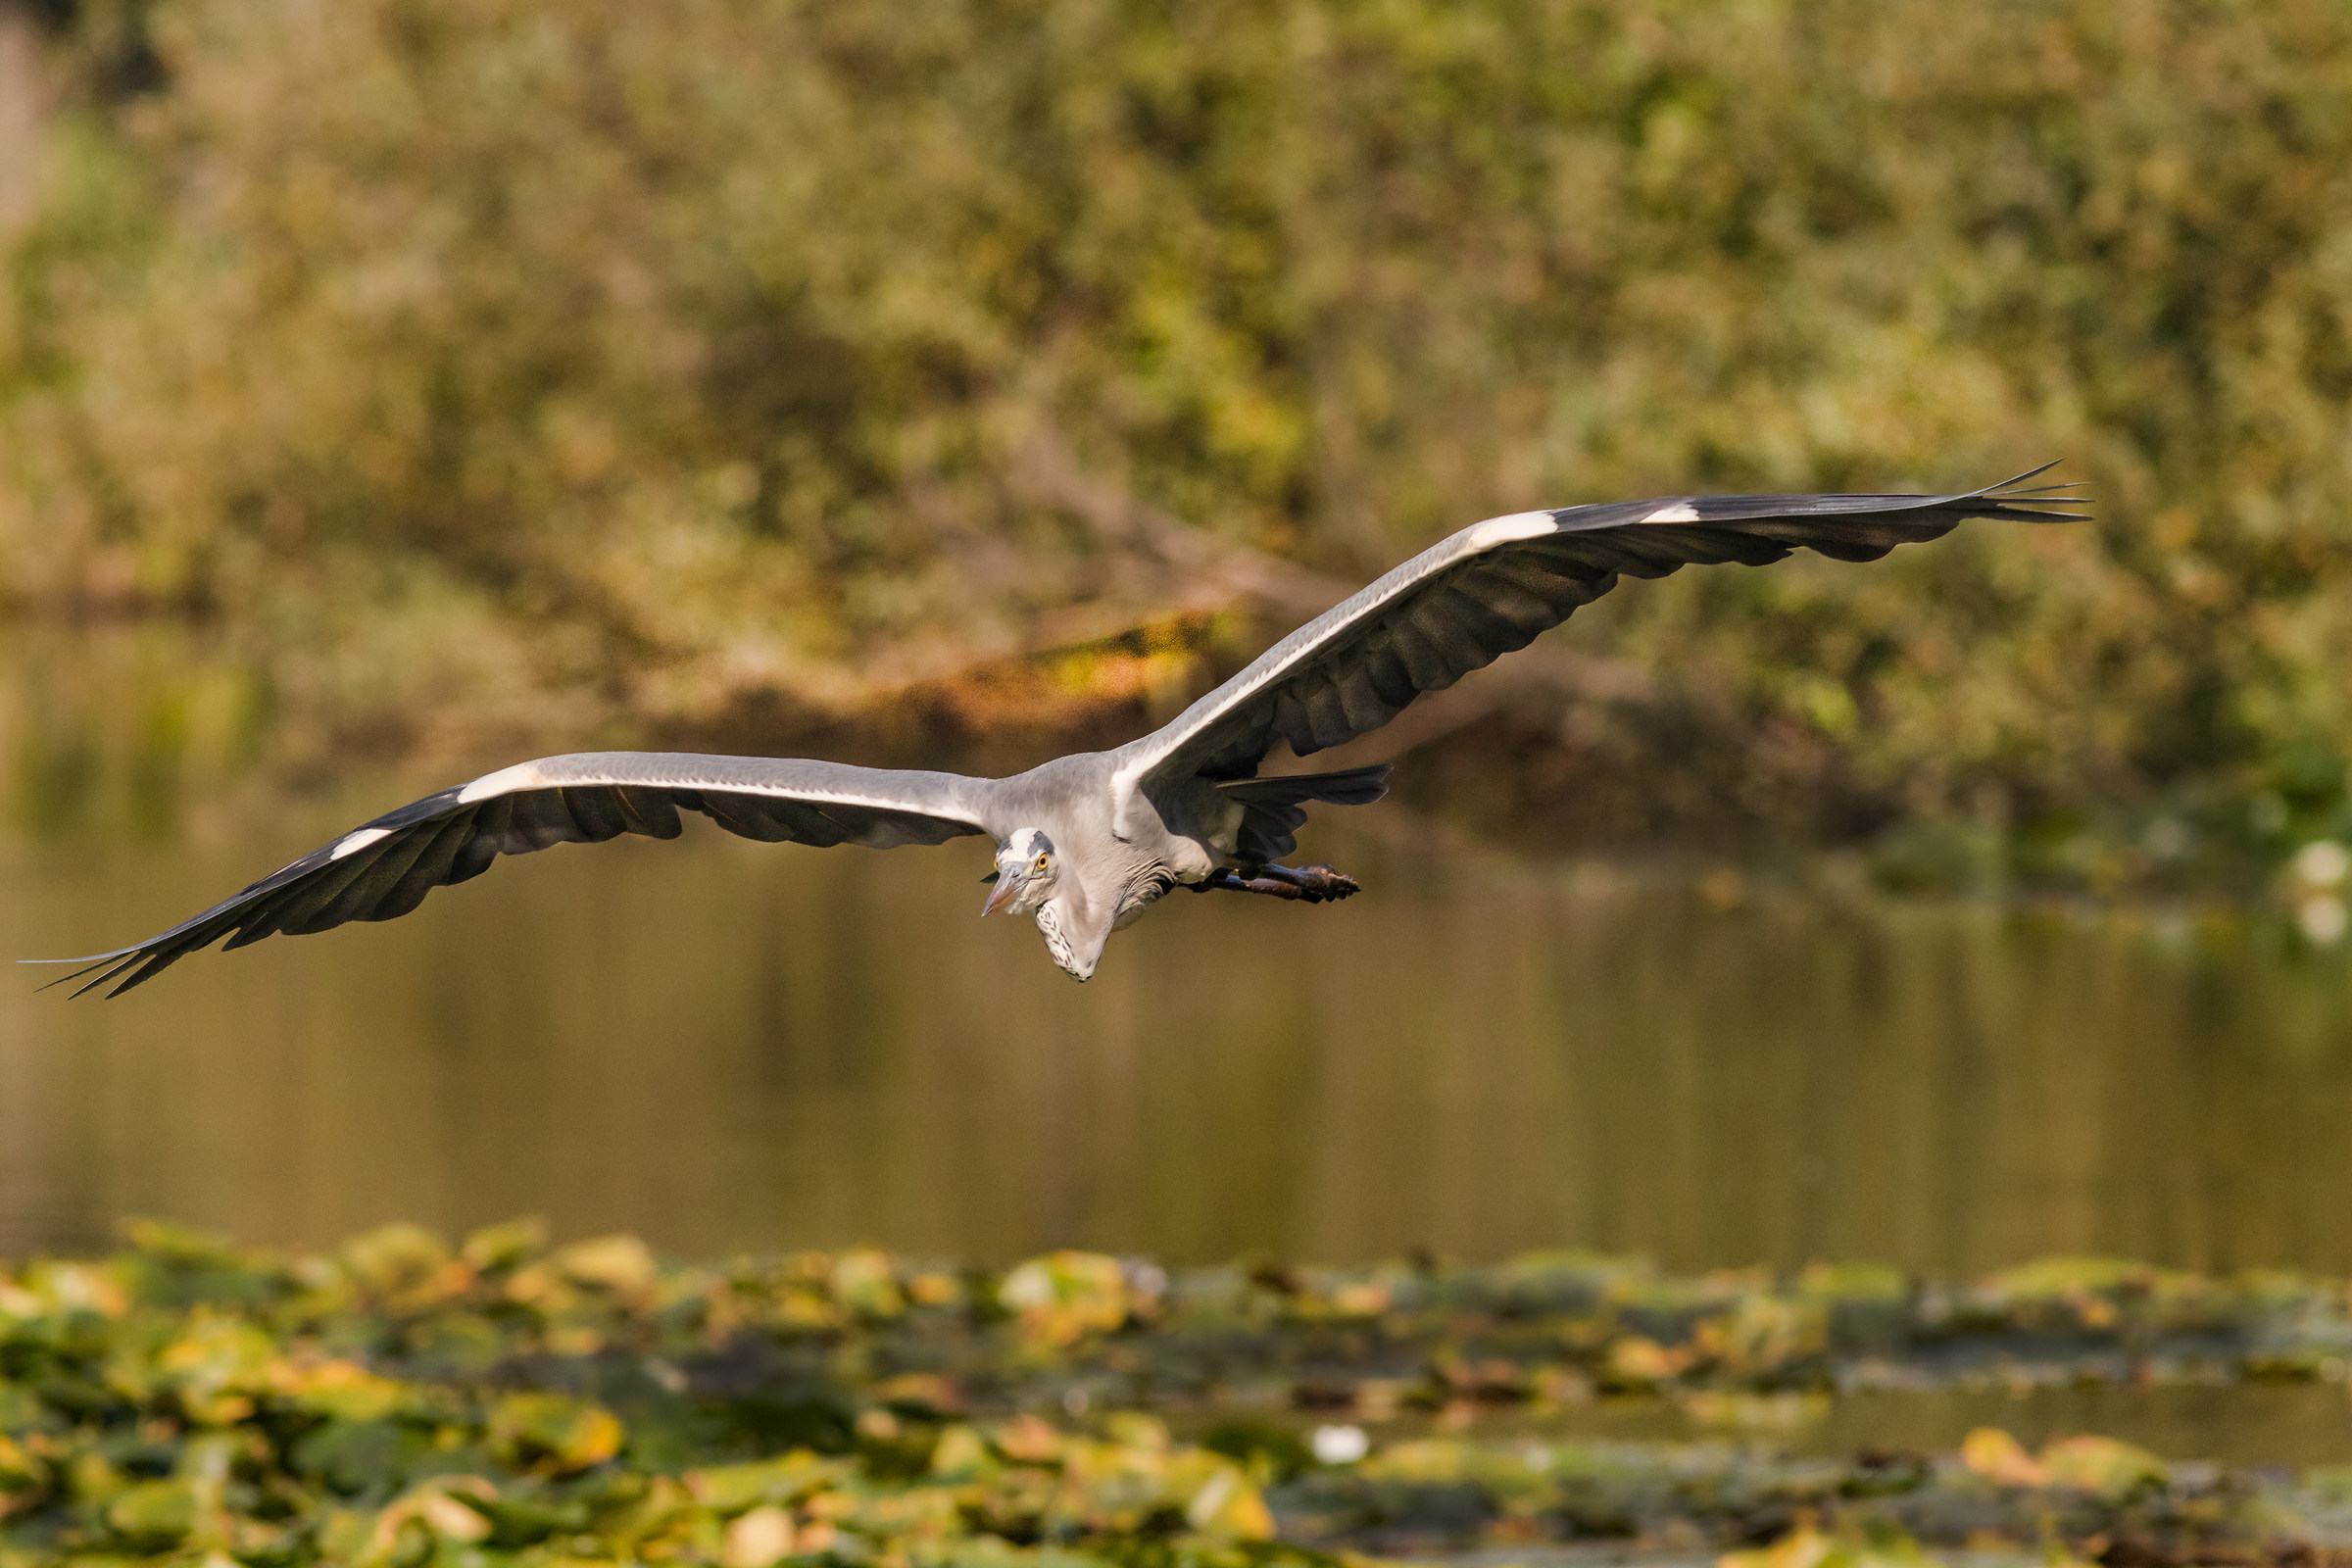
(1002, 894)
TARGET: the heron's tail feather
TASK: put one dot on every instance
(1274, 809)
(1352, 786)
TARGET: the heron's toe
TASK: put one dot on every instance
(1330, 884)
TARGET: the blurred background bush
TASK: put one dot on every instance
(430, 379)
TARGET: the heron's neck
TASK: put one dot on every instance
(1073, 938)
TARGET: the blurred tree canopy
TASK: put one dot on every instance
(504, 366)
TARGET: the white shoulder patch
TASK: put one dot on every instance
(1675, 511)
(359, 840)
(1503, 531)
(507, 780)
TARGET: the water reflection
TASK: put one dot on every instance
(108, 731)
(727, 1045)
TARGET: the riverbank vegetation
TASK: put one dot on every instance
(474, 374)
(401, 1401)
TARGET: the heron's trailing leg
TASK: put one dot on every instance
(1311, 884)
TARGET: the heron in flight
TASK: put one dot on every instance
(1085, 843)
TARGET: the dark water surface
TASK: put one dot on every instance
(726, 1045)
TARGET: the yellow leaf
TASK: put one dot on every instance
(1063, 1296)
(436, 1508)
(1802, 1548)
(1428, 1460)
(619, 1264)
(552, 1432)
(1027, 1438)
(20, 1471)
(1638, 1361)
(397, 1259)
(759, 1538)
(2100, 1464)
(866, 1283)
(451, 1519)
(153, 1511)
(959, 1450)
(1227, 1505)
(344, 1390)
(506, 1245)
(727, 1489)
(2001, 1460)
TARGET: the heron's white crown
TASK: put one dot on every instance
(1021, 848)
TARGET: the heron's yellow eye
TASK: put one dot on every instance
(1041, 862)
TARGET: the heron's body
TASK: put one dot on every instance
(1086, 843)
(1109, 881)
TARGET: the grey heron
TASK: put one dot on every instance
(1085, 843)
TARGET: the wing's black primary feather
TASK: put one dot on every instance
(1493, 588)
(384, 869)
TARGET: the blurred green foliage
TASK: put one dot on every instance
(400, 1401)
(496, 368)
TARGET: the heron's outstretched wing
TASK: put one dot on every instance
(1490, 589)
(385, 868)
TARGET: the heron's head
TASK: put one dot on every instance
(1027, 869)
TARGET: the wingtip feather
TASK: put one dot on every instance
(2030, 473)
(107, 971)
(2033, 503)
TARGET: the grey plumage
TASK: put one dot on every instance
(1085, 843)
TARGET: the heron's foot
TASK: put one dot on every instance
(1308, 884)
